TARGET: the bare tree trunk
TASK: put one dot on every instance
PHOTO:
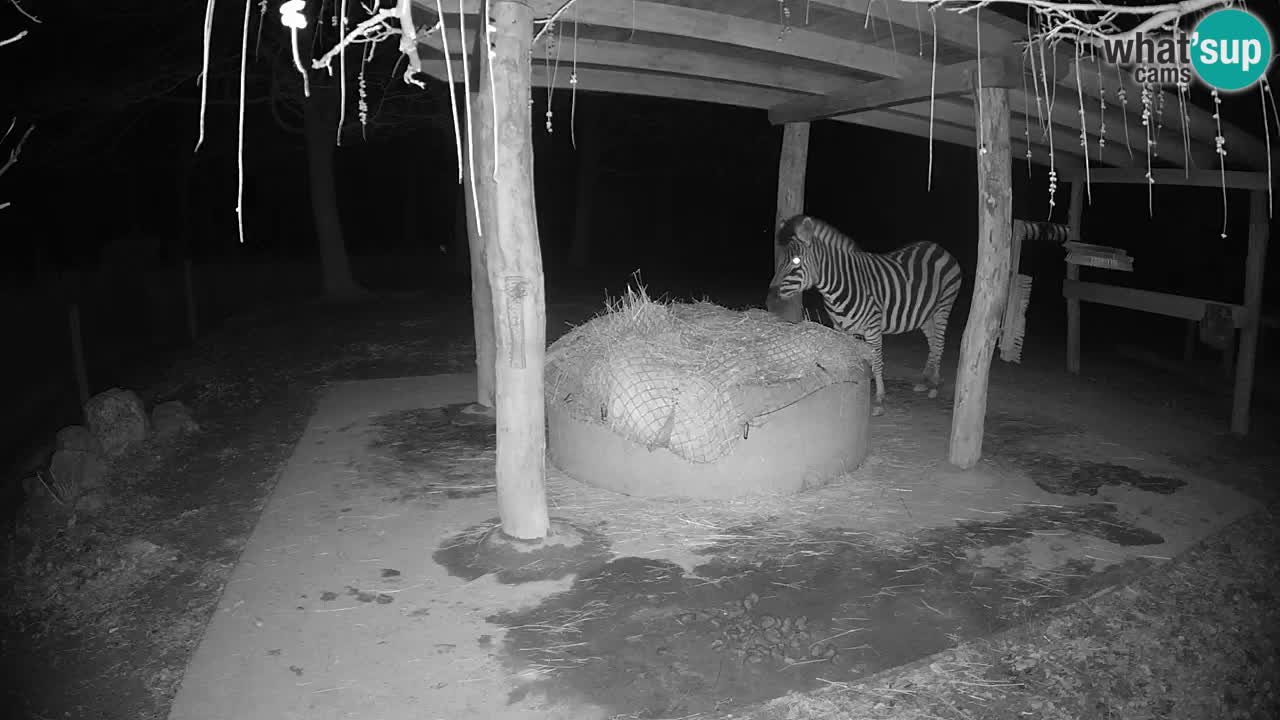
(990, 278)
(481, 294)
(514, 263)
(321, 125)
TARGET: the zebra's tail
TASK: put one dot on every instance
(1055, 233)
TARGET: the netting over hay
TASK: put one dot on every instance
(692, 377)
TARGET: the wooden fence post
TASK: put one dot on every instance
(1255, 267)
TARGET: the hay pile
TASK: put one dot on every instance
(688, 376)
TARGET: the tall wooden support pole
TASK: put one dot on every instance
(991, 278)
(1074, 214)
(1254, 267)
(792, 165)
(481, 295)
(514, 263)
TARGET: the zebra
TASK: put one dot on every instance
(872, 294)
(1041, 231)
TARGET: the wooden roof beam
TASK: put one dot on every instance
(1234, 179)
(657, 17)
(950, 26)
(653, 85)
(691, 63)
(955, 80)
(732, 30)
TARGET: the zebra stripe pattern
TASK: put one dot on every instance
(1034, 231)
(872, 294)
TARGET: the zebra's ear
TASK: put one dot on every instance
(804, 229)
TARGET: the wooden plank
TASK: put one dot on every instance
(714, 27)
(1255, 269)
(1075, 214)
(1234, 179)
(793, 162)
(1158, 303)
(514, 263)
(950, 26)
(950, 81)
(911, 124)
(1064, 139)
(707, 65)
(991, 277)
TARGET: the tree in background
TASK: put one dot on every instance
(92, 109)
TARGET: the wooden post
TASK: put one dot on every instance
(77, 356)
(1074, 213)
(514, 264)
(1229, 353)
(792, 165)
(189, 291)
(1255, 266)
(482, 321)
(991, 278)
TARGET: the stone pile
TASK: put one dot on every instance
(116, 423)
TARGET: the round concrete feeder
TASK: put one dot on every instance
(802, 445)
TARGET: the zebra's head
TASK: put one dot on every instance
(795, 237)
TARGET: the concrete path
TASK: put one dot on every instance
(337, 609)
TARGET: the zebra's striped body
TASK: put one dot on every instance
(1040, 231)
(872, 294)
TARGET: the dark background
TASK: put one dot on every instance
(108, 199)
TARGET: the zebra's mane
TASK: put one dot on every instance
(824, 232)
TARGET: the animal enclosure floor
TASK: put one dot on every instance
(359, 593)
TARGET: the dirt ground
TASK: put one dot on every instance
(102, 616)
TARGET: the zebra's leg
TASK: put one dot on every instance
(927, 381)
(876, 341)
(937, 343)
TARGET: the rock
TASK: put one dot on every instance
(78, 437)
(118, 420)
(75, 471)
(170, 419)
